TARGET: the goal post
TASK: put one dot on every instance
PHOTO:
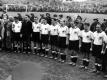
(6, 6)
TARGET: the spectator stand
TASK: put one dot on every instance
(15, 7)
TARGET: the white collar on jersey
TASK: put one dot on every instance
(17, 22)
(99, 32)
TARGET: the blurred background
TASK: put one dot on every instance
(74, 6)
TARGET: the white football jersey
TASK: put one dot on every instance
(53, 30)
(36, 27)
(86, 36)
(45, 28)
(74, 33)
(99, 38)
(16, 27)
(63, 31)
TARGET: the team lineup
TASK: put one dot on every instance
(56, 37)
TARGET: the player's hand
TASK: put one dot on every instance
(31, 35)
(0, 38)
(102, 52)
(21, 35)
(90, 49)
(79, 45)
(67, 42)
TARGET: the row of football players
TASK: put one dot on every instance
(56, 38)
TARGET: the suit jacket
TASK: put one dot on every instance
(26, 27)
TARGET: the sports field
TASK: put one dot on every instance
(53, 70)
(88, 17)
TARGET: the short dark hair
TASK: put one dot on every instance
(48, 14)
(16, 18)
(27, 15)
(54, 15)
(32, 14)
(88, 24)
(95, 19)
(60, 15)
(35, 17)
(67, 16)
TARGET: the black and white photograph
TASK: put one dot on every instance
(53, 39)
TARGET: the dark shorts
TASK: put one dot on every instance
(54, 40)
(85, 47)
(74, 45)
(97, 51)
(62, 42)
(45, 39)
(16, 37)
(36, 36)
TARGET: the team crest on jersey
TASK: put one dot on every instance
(88, 36)
(100, 38)
(45, 28)
(75, 32)
(63, 31)
(18, 26)
(54, 29)
(38, 27)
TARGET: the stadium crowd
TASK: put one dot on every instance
(50, 36)
(57, 6)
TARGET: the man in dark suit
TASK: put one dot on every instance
(26, 33)
(48, 18)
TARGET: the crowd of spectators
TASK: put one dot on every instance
(57, 6)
